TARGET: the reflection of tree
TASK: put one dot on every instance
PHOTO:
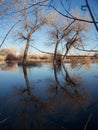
(80, 61)
(30, 102)
(71, 91)
(69, 81)
(73, 83)
(32, 112)
(39, 107)
(8, 67)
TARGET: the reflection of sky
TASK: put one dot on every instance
(42, 77)
(41, 82)
(90, 78)
(9, 80)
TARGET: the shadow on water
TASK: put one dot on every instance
(65, 108)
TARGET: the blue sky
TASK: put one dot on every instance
(42, 37)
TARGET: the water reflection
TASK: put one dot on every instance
(72, 93)
(31, 109)
(11, 67)
(76, 62)
(60, 104)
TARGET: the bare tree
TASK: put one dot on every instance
(27, 7)
(30, 26)
(59, 31)
(76, 37)
(67, 32)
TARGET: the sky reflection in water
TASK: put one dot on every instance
(49, 97)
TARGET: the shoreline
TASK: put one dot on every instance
(35, 62)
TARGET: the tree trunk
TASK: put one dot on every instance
(55, 53)
(67, 49)
(69, 44)
(26, 51)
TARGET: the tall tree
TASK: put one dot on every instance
(30, 25)
(59, 31)
(67, 33)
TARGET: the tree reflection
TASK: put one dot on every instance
(33, 107)
(70, 90)
(11, 67)
(78, 63)
(65, 97)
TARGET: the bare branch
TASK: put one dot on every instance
(91, 14)
(9, 32)
(32, 5)
(75, 18)
(65, 9)
(80, 49)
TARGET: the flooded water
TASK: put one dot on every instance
(47, 97)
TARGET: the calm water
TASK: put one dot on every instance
(47, 97)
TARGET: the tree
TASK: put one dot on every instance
(67, 33)
(27, 7)
(55, 32)
(77, 36)
(30, 26)
(58, 32)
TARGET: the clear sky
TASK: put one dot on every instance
(41, 37)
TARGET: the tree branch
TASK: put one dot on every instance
(52, 6)
(37, 3)
(9, 32)
(80, 49)
(91, 14)
(75, 18)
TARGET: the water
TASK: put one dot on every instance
(47, 97)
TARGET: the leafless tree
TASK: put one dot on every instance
(30, 7)
(30, 26)
(59, 31)
(76, 37)
(55, 32)
(67, 32)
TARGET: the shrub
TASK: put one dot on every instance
(10, 57)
